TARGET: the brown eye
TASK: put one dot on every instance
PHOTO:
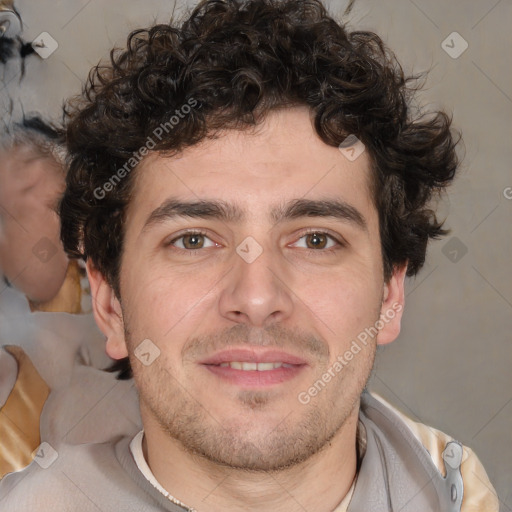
(191, 241)
(316, 241)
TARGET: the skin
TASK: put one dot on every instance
(213, 444)
(29, 189)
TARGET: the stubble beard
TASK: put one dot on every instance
(255, 439)
(250, 445)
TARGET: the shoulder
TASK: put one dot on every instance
(85, 477)
(479, 494)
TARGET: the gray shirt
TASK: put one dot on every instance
(396, 473)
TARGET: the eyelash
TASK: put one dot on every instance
(190, 252)
(310, 231)
(320, 252)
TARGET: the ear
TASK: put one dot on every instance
(392, 307)
(107, 312)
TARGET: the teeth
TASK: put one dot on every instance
(260, 367)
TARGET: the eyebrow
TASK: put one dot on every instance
(220, 210)
(334, 208)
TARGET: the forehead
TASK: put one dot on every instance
(279, 160)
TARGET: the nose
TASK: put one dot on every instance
(256, 293)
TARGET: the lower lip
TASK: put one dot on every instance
(254, 378)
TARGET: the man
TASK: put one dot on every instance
(249, 190)
(47, 355)
(33, 260)
(32, 177)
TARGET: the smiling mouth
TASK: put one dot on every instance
(254, 375)
(254, 367)
(251, 366)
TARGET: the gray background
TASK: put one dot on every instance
(450, 367)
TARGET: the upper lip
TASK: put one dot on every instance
(254, 355)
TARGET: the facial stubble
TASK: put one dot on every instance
(254, 439)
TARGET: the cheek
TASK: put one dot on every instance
(342, 304)
(15, 248)
(166, 305)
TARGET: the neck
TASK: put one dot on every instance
(320, 483)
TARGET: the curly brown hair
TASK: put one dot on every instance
(236, 61)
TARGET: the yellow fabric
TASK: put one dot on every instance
(479, 494)
(20, 416)
(69, 298)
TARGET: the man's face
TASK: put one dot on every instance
(266, 283)
(31, 254)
